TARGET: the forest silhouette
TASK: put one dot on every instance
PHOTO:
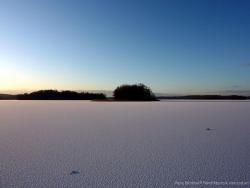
(57, 95)
(125, 92)
(135, 92)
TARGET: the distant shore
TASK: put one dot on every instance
(205, 97)
(123, 93)
(187, 97)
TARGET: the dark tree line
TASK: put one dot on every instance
(7, 97)
(208, 97)
(136, 92)
(57, 95)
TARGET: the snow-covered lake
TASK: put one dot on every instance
(124, 144)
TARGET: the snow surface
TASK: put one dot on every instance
(123, 144)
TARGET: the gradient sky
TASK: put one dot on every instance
(172, 46)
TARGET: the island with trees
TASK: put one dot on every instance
(205, 97)
(135, 92)
(7, 97)
(125, 92)
(60, 95)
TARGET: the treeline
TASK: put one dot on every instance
(135, 92)
(7, 97)
(60, 95)
(207, 97)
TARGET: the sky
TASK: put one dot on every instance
(178, 46)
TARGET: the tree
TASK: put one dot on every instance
(135, 92)
(63, 95)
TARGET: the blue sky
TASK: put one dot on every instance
(173, 46)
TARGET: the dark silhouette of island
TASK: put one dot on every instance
(7, 97)
(207, 97)
(60, 95)
(135, 92)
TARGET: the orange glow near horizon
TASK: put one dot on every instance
(13, 80)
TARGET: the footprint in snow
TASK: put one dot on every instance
(209, 129)
(74, 172)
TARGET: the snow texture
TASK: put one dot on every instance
(123, 144)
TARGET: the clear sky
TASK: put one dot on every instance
(172, 46)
